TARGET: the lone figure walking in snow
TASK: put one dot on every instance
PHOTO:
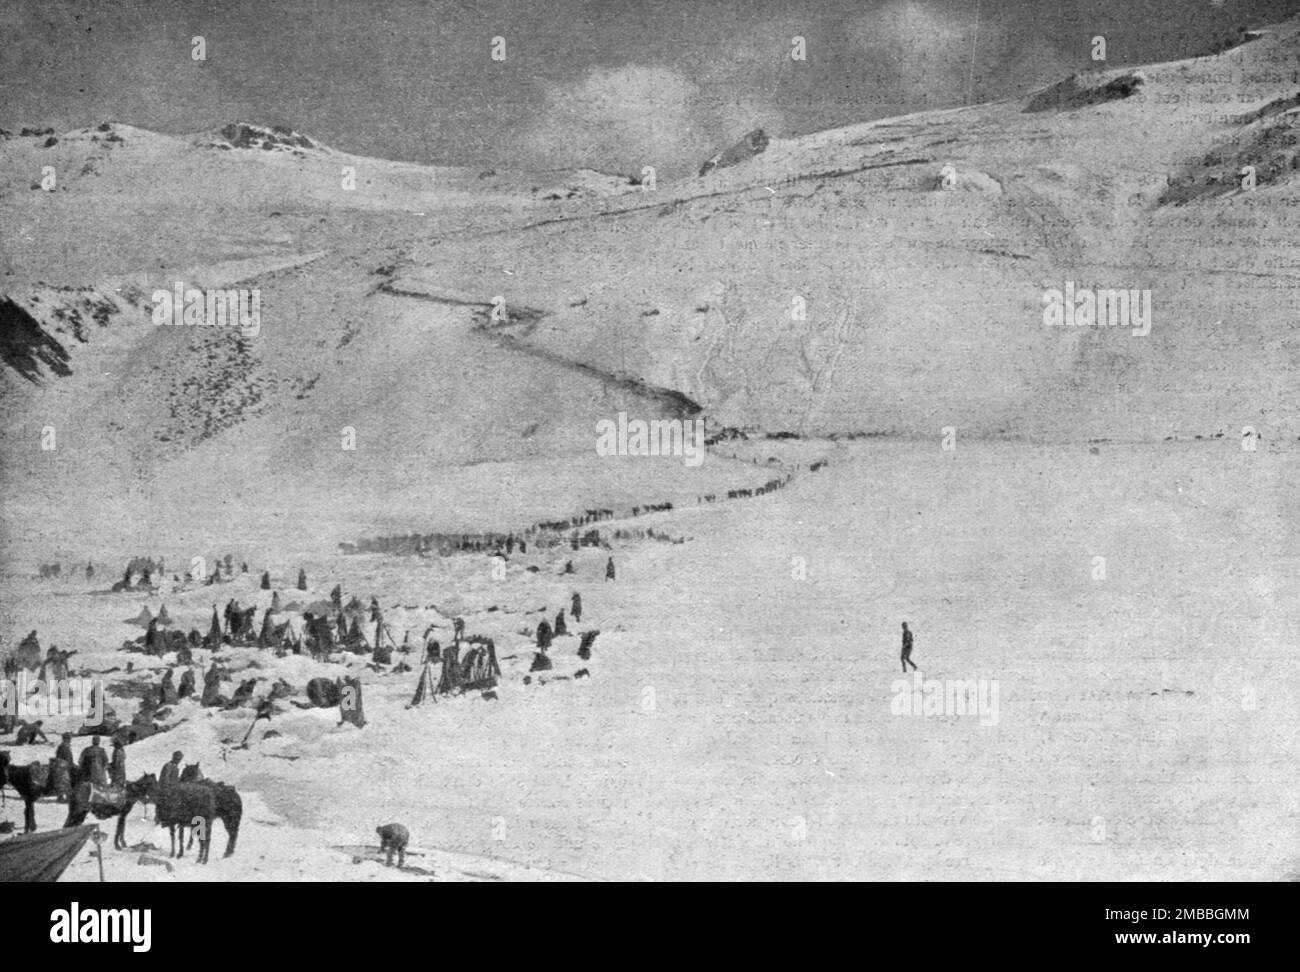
(907, 649)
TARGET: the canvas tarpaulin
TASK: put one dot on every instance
(41, 857)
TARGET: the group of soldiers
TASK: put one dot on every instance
(95, 764)
(545, 632)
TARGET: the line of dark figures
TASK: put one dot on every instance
(546, 533)
(142, 578)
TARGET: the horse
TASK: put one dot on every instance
(183, 805)
(229, 805)
(105, 803)
(32, 782)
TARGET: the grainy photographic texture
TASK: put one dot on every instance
(650, 440)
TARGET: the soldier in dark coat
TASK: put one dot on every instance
(907, 649)
(302, 579)
(187, 684)
(171, 772)
(543, 635)
(94, 763)
(560, 627)
(117, 768)
(167, 689)
(575, 606)
(64, 752)
(211, 686)
(609, 570)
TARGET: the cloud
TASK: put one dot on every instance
(618, 119)
(921, 53)
(673, 118)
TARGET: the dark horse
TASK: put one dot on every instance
(87, 798)
(196, 802)
(32, 782)
(184, 805)
(229, 805)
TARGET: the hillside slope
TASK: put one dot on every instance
(916, 296)
(885, 278)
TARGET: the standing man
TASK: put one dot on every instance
(171, 772)
(212, 686)
(609, 570)
(94, 763)
(64, 752)
(575, 606)
(117, 768)
(907, 649)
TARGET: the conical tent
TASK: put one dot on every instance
(214, 630)
(143, 618)
(383, 652)
(153, 640)
(425, 688)
(267, 634)
(275, 602)
(163, 617)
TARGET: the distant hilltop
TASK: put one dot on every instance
(242, 135)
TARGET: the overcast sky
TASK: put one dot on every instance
(611, 84)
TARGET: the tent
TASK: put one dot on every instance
(153, 639)
(383, 653)
(266, 636)
(479, 668)
(426, 687)
(213, 640)
(42, 857)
